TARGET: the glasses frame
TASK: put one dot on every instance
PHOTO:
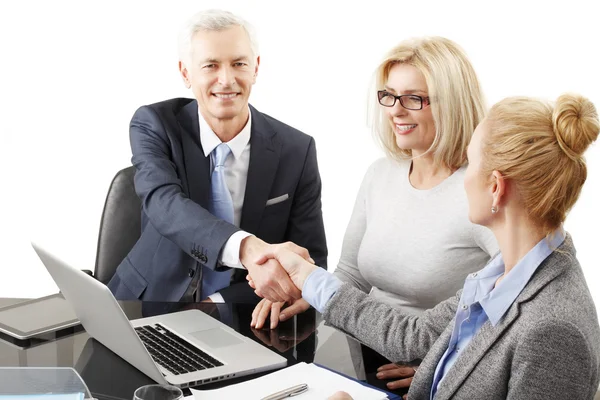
(383, 93)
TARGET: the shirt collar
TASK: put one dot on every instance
(496, 301)
(210, 140)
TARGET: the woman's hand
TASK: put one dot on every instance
(297, 267)
(278, 313)
(391, 371)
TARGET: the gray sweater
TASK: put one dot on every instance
(407, 247)
(545, 347)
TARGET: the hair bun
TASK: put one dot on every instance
(576, 124)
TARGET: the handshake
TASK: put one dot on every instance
(276, 272)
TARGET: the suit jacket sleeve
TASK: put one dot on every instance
(305, 225)
(178, 218)
(552, 355)
(397, 336)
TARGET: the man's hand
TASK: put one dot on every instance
(297, 268)
(270, 280)
(262, 310)
(391, 371)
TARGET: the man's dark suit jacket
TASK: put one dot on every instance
(173, 182)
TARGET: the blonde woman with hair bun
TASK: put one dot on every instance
(550, 176)
(525, 326)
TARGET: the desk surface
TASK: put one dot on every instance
(304, 338)
(110, 378)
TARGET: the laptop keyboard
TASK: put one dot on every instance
(173, 353)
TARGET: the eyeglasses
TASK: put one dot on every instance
(408, 101)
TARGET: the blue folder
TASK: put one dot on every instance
(391, 396)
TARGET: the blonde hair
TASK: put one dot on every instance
(540, 147)
(457, 102)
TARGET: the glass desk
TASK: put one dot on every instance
(303, 338)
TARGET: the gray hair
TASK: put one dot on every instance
(213, 20)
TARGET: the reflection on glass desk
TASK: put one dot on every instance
(300, 339)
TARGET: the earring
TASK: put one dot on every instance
(494, 210)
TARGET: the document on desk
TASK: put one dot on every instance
(321, 384)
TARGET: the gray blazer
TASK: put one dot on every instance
(545, 347)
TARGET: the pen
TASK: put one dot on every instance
(289, 392)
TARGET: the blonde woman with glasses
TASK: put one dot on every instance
(409, 242)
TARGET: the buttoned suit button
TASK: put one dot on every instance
(191, 272)
(203, 258)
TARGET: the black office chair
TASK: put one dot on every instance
(120, 226)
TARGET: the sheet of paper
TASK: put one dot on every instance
(321, 384)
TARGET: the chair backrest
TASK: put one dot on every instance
(120, 225)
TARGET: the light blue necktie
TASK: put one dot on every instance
(221, 206)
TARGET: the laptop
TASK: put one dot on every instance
(184, 349)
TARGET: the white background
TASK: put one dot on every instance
(72, 74)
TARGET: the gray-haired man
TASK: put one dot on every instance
(218, 180)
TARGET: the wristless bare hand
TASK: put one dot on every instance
(392, 371)
(276, 311)
(297, 267)
(270, 280)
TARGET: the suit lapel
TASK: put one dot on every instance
(472, 354)
(197, 166)
(421, 385)
(265, 150)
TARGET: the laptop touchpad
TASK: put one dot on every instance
(216, 338)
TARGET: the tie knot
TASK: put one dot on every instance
(221, 152)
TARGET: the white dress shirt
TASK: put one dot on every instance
(236, 174)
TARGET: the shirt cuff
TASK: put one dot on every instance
(319, 287)
(216, 298)
(230, 255)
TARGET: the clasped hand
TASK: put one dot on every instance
(272, 270)
(276, 270)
